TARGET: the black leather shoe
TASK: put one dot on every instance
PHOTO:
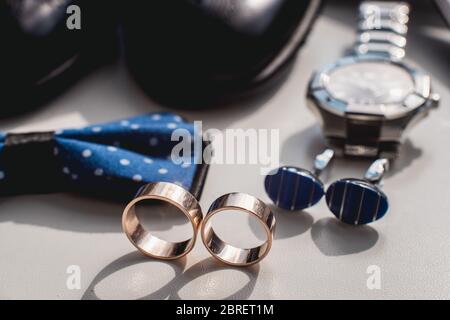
(40, 55)
(196, 52)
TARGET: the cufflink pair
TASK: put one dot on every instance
(185, 202)
(352, 201)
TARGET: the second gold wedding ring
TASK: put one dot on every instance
(142, 239)
(227, 253)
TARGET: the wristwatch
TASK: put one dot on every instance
(367, 101)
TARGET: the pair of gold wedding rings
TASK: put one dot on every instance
(184, 201)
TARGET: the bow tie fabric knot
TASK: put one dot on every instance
(110, 160)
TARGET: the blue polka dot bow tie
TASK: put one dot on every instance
(111, 160)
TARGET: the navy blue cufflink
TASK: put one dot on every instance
(359, 201)
(293, 188)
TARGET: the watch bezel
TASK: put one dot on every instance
(414, 100)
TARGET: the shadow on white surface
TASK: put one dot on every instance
(407, 155)
(223, 288)
(182, 278)
(63, 212)
(301, 148)
(334, 238)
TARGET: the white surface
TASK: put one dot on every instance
(313, 255)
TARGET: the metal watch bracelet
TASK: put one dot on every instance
(382, 29)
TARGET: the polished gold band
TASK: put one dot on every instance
(150, 245)
(227, 253)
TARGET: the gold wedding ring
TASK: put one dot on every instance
(227, 253)
(150, 245)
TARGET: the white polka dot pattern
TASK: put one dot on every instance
(87, 153)
(125, 162)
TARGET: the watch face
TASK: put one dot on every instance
(370, 83)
